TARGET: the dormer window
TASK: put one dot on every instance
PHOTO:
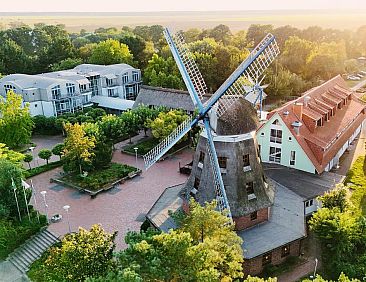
(249, 186)
(70, 88)
(8, 87)
(56, 92)
(319, 122)
(135, 76)
(125, 78)
(222, 162)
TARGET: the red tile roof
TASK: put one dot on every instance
(321, 143)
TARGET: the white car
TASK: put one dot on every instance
(352, 77)
(359, 75)
(363, 72)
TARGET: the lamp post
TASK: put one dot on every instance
(136, 148)
(16, 198)
(32, 151)
(66, 208)
(43, 193)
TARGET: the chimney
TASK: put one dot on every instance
(297, 108)
(296, 125)
(306, 100)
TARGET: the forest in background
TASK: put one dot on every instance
(308, 56)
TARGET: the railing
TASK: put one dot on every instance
(156, 153)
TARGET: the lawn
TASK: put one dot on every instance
(99, 179)
(14, 233)
(357, 176)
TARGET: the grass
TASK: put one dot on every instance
(357, 176)
(40, 169)
(99, 179)
(14, 233)
(143, 147)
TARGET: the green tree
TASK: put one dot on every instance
(182, 254)
(131, 123)
(11, 177)
(111, 52)
(10, 155)
(81, 255)
(78, 147)
(163, 73)
(165, 123)
(113, 128)
(45, 154)
(221, 33)
(256, 32)
(28, 158)
(342, 278)
(66, 64)
(336, 198)
(14, 116)
(13, 59)
(144, 116)
(58, 149)
(296, 53)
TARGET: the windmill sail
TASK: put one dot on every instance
(254, 66)
(164, 146)
(187, 66)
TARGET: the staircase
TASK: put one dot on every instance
(32, 249)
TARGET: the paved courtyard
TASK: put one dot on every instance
(120, 209)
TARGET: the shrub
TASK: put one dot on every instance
(45, 154)
(40, 169)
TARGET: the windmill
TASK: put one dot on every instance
(218, 104)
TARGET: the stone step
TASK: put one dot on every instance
(32, 249)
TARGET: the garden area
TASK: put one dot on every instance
(99, 179)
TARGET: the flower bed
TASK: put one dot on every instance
(99, 179)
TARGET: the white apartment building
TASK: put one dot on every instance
(114, 87)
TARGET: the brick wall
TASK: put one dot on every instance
(245, 221)
(254, 266)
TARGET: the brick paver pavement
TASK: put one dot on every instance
(120, 209)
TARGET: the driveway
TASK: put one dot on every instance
(120, 209)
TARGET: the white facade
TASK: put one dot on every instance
(52, 94)
(278, 145)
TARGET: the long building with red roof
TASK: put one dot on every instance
(312, 132)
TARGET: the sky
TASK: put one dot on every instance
(172, 5)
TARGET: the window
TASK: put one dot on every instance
(276, 136)
(56, 92)
(246, 160)
(319, 122)
(131, 92)
(262, 133)
(35, 105)
(275, 154)
(196, 182)
(125, 78)
(202, 157)
(135, 76)
(292, 157)
(309, 203)
(267, 259)
(111, 93)
(8, 87)
(276, 122)
(70, 87)
(285, 251)
(289, 138)
(109, 81)
(83, 87)
(249, 187)
(94, 84)
(222, 162)
(253, 215)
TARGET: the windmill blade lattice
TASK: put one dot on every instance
(187, 66)
(164, 146)
(221, 198)
(256, 63)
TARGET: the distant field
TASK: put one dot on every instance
(236, 20)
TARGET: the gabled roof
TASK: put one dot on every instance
(321, 143)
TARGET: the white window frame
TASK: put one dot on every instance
(292, 158)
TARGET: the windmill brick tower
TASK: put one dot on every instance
(249, 195)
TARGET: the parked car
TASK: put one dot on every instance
(363, 72)
(359, 75)
(352, 77)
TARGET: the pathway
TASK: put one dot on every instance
(120, 209)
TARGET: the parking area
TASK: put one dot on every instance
(121, 209)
